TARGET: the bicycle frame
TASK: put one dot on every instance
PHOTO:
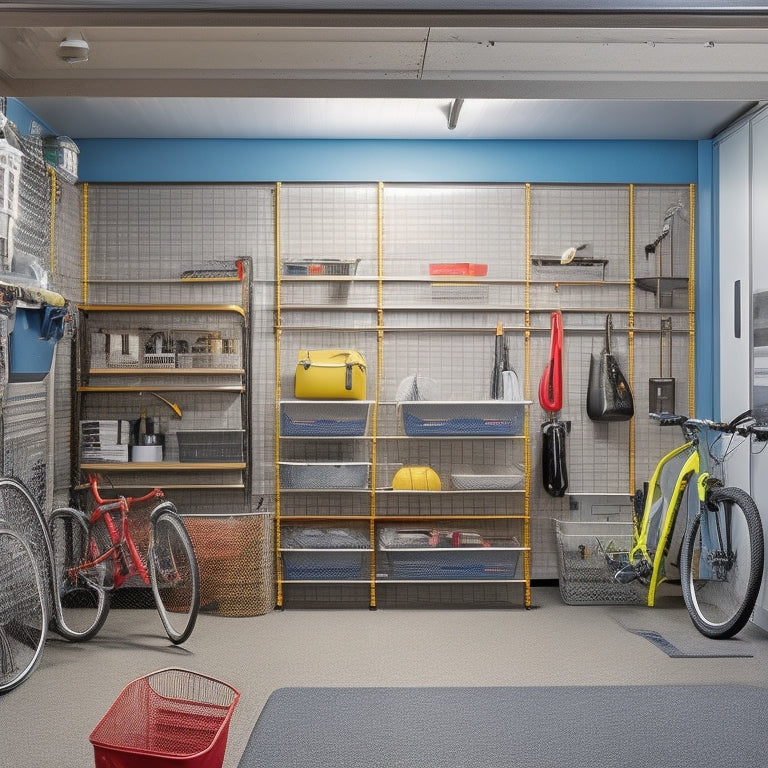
(660, 515)
(127, 559)
(654, 531)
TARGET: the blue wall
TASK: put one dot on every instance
(23, 119)
(242, 160)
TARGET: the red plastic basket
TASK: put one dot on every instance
(172, 717)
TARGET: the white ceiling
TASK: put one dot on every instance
(327, 70)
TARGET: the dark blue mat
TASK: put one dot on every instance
(508, 727)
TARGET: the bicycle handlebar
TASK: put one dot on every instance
(744, 424)
(93, 481)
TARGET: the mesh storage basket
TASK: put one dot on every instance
(588, 553)
(324, 474)
(170, 717)
(423, 418)
(236, 561)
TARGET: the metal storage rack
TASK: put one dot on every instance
(212, 392)
(369, 312)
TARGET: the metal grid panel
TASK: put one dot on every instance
(422, 223)
(476, 224)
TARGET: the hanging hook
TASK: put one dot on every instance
(173, 406)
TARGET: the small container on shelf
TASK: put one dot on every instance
(459, 268)
(318, 267)
(328, 418)
(324, 553)
(487, 478)
(324, 475)
(424, 418)
(224, 445)
(414, 554)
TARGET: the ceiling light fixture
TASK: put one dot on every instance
(453, 113)
(74, 50)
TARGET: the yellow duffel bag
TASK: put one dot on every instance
(330, 374)
(416, 479)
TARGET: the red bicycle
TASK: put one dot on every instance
(125, 541)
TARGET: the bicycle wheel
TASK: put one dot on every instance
(81, 600)
(173, 573)
(23, 611)
(722, 563)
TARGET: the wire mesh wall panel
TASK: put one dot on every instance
(329, 221)
(191, 245)
(32, 231)
(26, 438)
(448, 223)
(438, 329)
(592, 215)
(27, 407)
(66, 271)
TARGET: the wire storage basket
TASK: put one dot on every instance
(589, 553)
(172, 717)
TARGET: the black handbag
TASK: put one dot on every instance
(609, 397)
(554, 470)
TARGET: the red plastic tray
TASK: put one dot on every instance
(459, 268)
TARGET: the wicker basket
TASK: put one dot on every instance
(234, 554)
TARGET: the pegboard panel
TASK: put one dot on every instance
(592, 215)
(461, 223)
(330, 222)
(159, 231)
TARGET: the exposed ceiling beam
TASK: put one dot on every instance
(53, 16)
(617, 89)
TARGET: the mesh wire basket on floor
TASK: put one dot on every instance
(586, 576)
(236, 561)
(169, 717)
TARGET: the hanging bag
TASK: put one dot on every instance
(551, 382)
(330, 374)
(554, 471)
(609, 397)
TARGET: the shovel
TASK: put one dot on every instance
(661, 390)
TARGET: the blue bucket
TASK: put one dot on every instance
(33, 341)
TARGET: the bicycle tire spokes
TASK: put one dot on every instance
(722, 563)
(23, 611)
(173, 574)
(82, 575)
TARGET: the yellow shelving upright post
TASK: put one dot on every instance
(278, 302)
(527, 417)
(692, 299)
(631, 332)
(379, 369)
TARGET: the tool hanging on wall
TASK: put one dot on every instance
(505, 384)
(665, 282)
(661, 390)
(551, 382)
(554, 468)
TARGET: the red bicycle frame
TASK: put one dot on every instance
(128, 561)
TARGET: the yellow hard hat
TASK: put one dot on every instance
(416, 479)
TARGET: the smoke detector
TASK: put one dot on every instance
(74, 50)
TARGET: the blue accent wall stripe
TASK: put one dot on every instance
(266, 160)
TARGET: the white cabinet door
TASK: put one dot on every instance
(760, 328)
(735, 291)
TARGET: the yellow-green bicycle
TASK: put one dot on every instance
(721, 555)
